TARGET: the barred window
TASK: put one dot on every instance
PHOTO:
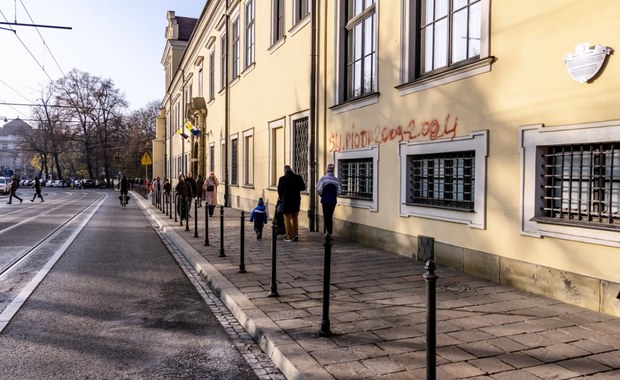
(582, 184)
(300, 147)
(234, 161)
(357, 178)
(444, 180)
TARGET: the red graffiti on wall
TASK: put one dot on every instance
(361, 138)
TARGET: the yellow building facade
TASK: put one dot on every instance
(485, 127)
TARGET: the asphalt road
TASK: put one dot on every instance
(116, 305)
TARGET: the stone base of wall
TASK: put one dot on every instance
(591, 293)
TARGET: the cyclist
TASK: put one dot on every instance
(124, 190)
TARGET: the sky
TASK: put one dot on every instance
(121, 40)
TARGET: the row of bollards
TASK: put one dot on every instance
(325, 326)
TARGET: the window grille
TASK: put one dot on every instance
(444, 180)
(300, 147)
(356, 176)
(234, 162)
(582, 184)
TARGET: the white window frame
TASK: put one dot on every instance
(236, 47)
(371, 151)
(273, 171)
(342, 103)
(410, 84)
(477, 142)
(249, 33)
(222, 159)
(532, 138)
(275, 27)
(235, 137)
(248, 159)
(293, 118)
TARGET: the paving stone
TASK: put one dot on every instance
(520, 360)
(491, 365)
(454, 354)
(349, 370)
(583, 366)
(548, 371)
(382, 365)
(461, 369)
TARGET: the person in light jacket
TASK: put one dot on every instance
(210, 189)
(328, 188)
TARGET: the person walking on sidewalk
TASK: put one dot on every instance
(259, 217)
(328, 188)
(210, 189)
(37, 189)
(290, 186)
(13, 193)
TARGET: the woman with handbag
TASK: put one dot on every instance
(210, 188)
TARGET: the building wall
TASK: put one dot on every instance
(519, 94)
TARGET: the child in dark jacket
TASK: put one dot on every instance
(259, 217)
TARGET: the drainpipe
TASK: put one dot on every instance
(227, 111)
(312, 213)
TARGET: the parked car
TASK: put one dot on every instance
(88, 183)
(5, 185)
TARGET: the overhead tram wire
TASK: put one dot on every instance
(25, 47)
(42, 39)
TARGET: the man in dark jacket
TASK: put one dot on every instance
(290, 185)
(13, 194)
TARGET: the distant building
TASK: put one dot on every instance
(490, 130)
(13, 160)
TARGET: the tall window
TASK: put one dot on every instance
(234, 161)
(276, 151)
(224, 52)
(300, 147)
(277, 20)
(449, 32)
(302, 8)
(249, 33)
(582, 184)
(361, 50)
(248, 158)
(442, 180)
(212, 75)
(235, 48)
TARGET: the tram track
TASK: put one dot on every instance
(7, 268)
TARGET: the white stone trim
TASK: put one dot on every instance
(369, 152)
(476, 141)
(532, 139)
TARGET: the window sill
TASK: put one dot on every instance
(356, 103)
(479, 67)
(576, 223)
(276, 45)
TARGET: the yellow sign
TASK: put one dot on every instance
(146, 159)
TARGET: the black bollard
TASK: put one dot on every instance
(327, 263)
(188, 205)
(242, 244)
(274, 239)
(222, 254)
(176, 202)
(207, 226)
(431, 339)
(196, 218)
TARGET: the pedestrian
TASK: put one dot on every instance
(179, 191)
(199, 191)
(290, 186)
(13, 194)
(191, 182)
(167, 190)
(210, 187)
(328, 188)
(260, 217)
(37, 189)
